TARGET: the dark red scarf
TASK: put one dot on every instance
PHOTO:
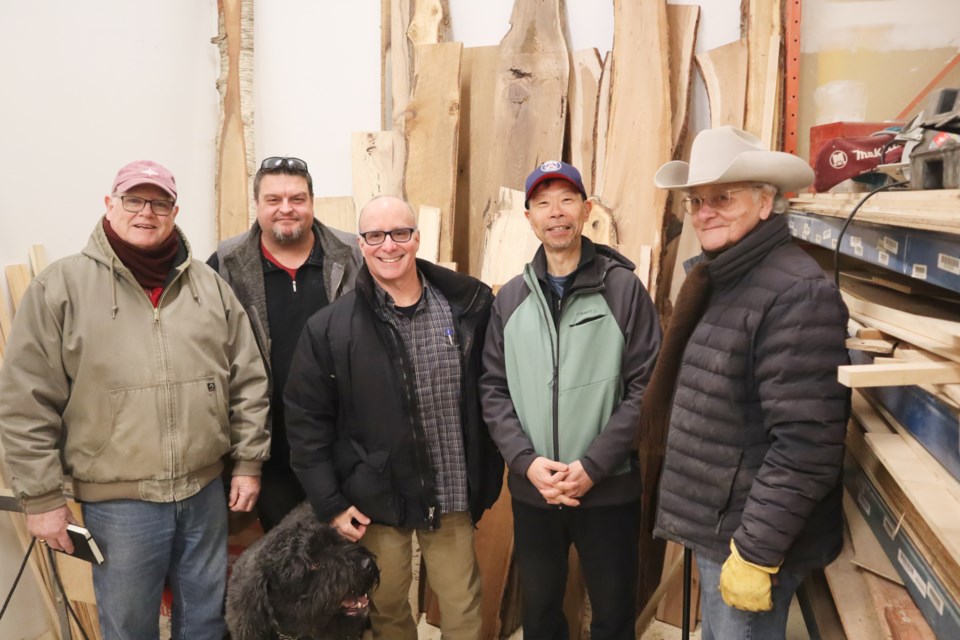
(150, 267)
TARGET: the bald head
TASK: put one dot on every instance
(397, 209)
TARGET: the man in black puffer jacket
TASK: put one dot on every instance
(751, 478)
(384, 422)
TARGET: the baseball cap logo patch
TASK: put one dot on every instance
(550, 165)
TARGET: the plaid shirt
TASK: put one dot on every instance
(432, 345)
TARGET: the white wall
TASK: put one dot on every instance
(89, 86)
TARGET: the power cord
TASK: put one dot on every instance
(16, 581)
(56, 576)
(836, 251)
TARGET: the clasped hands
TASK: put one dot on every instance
(559, 483)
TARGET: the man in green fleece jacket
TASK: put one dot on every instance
(570, 347)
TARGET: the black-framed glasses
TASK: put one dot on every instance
(374, 238)
(277, 162)
(719, 201)
(135, 204)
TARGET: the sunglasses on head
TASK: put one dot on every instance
(278, 162)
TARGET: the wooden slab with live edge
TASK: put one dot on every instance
(510, 242)
(338, 212)
(682, 21)
(530, 96)
(235, 135)
(430, 130)
(602, 125)
(724, 72)
(476, 169)
(377, 161)
(762, 27)
(640, 133)
(585, 72)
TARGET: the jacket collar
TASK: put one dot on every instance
(595, 261)
(735, 262)
(462, 292)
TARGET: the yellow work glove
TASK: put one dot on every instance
(745, 585)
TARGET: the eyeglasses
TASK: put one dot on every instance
(278, 162)
(374, 238)
(719, 201)
(133, 204)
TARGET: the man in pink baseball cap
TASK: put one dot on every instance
(132, 370)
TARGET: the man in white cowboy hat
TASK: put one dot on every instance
(746, 381)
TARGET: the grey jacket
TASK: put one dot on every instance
(130, 400)
(240, 265)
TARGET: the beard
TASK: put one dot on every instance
(289, 237)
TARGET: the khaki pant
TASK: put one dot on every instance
(453, 575)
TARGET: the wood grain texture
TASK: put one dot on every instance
(337, 212)
(429, 225)
(510, 242)
(600, 226)
(761, 20)
(898, 374)
(857, 614)
(377, 161)
(18, 279)
(431, 129)
(585, 71)
(232, 176)
(724, 72)
(602, 124)
(412, 23)
(494, 544)
(682, 22)
(639, 138)
(475, 167)
(531, 93)
(930, 210)
(38, 258)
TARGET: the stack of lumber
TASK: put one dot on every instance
(902, 471)
(75, 574)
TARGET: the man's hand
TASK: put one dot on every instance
(549, 477)
(579, 479)
(244, 491)
(351, 524)
(50, 528)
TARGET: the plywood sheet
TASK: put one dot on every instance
(584, 91)
(637, 145)
(431, 128)
(475, 174)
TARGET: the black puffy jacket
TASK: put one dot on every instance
(354, 437)
(755, 447)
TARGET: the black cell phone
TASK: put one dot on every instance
(84, 546)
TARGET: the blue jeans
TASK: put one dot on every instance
(722, 622)
(147, 543)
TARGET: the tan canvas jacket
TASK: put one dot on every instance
(128, 400)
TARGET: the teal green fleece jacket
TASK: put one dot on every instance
(564, 378)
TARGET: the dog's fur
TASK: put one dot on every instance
(301, 580)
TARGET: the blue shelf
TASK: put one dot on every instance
(923, 255)
(926, 589)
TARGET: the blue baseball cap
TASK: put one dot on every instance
(554, 170)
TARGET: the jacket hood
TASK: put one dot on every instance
(596, 260)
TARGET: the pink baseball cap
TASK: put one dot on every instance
(144, 172)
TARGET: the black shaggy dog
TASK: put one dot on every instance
(301, 580)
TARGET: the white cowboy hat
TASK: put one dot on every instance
(728, 154)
